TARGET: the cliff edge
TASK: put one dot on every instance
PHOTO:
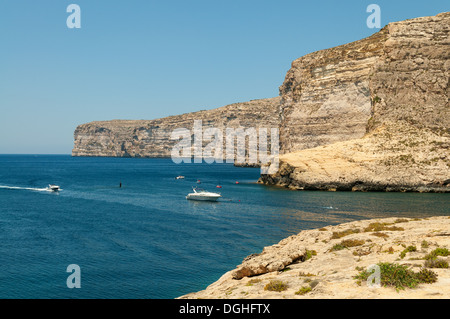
(327, 262)
(371, 115)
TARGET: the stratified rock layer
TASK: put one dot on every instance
(326, 96)
(152, 138)
(370, 115)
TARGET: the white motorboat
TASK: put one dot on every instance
(180, 177)
(54, 188)
(201, 194)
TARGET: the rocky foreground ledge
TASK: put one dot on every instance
(324, 263)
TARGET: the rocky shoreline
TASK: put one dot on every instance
(325, 263)
(284, 179)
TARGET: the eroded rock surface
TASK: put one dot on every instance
(337, 255)
(151, 138)
(370, 115)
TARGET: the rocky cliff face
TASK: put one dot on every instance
(370, 115)
(152, 138)
(326, 95)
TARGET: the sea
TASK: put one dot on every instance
(145, 240)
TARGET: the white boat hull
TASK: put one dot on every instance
(202, 197)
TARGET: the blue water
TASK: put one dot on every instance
(145, 240)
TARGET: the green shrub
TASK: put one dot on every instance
(441, 252)
(376, 99)
(407, 250)
(304, 290)
(436, 263)
(381, 226)
(340, 234)
(337, 247)
(276, 285)
(309, 254)
(437, 252)
(252, 282)
(352, 242)
(427, 276)
(381, 235)
(347, 243)
(399, 276)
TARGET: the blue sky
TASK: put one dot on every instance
(142, 59)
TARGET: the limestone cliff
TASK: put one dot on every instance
(151, 138)
(370, 115)
(326, 96)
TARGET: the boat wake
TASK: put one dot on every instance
(27, 188)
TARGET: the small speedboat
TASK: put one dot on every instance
(54, 188)
(201, 194)
(180, 177)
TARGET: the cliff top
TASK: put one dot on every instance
(252, 104)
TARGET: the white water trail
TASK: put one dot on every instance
(26, 188)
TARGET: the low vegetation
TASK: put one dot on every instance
(348, 243)
(399, 276)
(438, 252)
(432, 259)
(340, 234)
(309, 254)
(303, 290)
(376, 227)
(380, 234)
(427, 276)
(436, 263)
(276, 285)
(251, 282)
(407, 250)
